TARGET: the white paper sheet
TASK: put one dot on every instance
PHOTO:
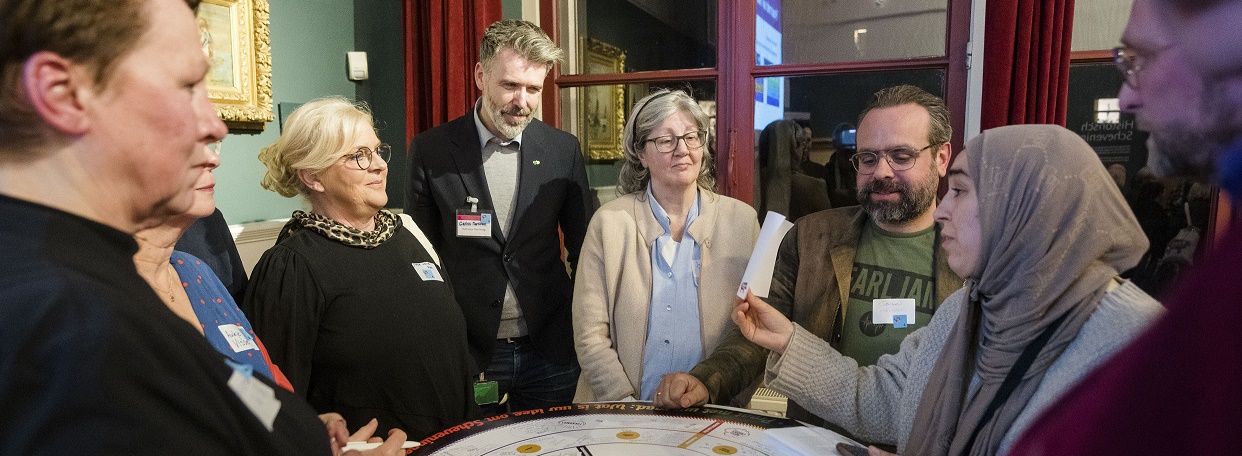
(363, 446)
(758, 276)
(805, 440)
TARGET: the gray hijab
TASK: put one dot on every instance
(1055, 230)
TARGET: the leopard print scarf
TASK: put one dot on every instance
(385, 225)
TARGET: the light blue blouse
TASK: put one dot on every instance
(674, 340)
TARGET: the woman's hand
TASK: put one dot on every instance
(680, 390)
(338, 434)
(762, 324)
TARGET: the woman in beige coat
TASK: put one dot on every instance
(660, 264)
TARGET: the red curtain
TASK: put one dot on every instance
(1026, 62)
(442, 46)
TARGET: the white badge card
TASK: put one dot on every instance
(427, 271)
(474, 224)
(882, 310)
(239, 341)
(258, 397)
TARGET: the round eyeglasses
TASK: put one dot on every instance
(668, 143)
(362, 156)
(1129, 63)
(899, 158)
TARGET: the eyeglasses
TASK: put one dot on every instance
(362, 156)
(1129, 63)
(899, 158)
(668, 143)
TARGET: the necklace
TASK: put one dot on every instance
(171, 287)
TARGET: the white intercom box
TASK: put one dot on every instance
(357, 65)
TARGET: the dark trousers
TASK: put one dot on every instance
(530, 381)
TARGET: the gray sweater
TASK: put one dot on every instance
(877, 403)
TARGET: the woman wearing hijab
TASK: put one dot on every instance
(1040, 232)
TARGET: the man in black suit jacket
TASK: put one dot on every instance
(490, 189)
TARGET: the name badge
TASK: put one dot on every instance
(258, 397)
(474, 225)
(882, 311)
(239, 341)
(486, 393)
(427, 271)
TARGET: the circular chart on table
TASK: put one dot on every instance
(610, 429)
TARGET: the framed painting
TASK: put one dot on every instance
(603, 107)
(235, 38)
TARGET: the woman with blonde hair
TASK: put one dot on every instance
(351, 300)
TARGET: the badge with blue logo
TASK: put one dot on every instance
(427, 271)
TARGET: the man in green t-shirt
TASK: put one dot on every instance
(833, 265)
(888, 265)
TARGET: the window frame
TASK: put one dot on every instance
(736, 71)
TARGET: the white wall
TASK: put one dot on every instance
(1098, 23)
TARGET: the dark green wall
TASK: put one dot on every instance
(309, 39)
(379, 33)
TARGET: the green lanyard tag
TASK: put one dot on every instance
(486, 393)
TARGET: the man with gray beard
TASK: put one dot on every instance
(494, 190)
(848, 258)
(1177, 389)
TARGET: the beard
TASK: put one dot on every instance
(496, 114)
(912, 202)
(1184, 150)
(1178, 150)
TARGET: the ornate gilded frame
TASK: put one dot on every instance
(602, 110)
(236, 39)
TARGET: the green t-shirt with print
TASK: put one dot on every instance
(888, 265)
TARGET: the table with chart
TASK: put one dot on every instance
(615, 428)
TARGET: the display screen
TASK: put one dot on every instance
(769, 92)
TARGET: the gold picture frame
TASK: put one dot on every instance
(603, 107)
(237, 42)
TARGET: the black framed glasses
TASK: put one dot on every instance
(668, 143)
(899, 158)
(1129, 63)
(362, 156)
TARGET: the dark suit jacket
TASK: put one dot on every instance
(210, 240)
(446, 166)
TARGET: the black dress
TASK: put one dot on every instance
(359, 332)
(92, 362)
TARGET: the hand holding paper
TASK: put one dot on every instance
(762, 324)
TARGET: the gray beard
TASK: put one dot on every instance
(1177, 151)
(914, 200)
(1182, 150)
(509, 131)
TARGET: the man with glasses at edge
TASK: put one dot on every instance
(1177, 389)
(846, 258)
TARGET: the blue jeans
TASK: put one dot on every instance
(531, 381)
